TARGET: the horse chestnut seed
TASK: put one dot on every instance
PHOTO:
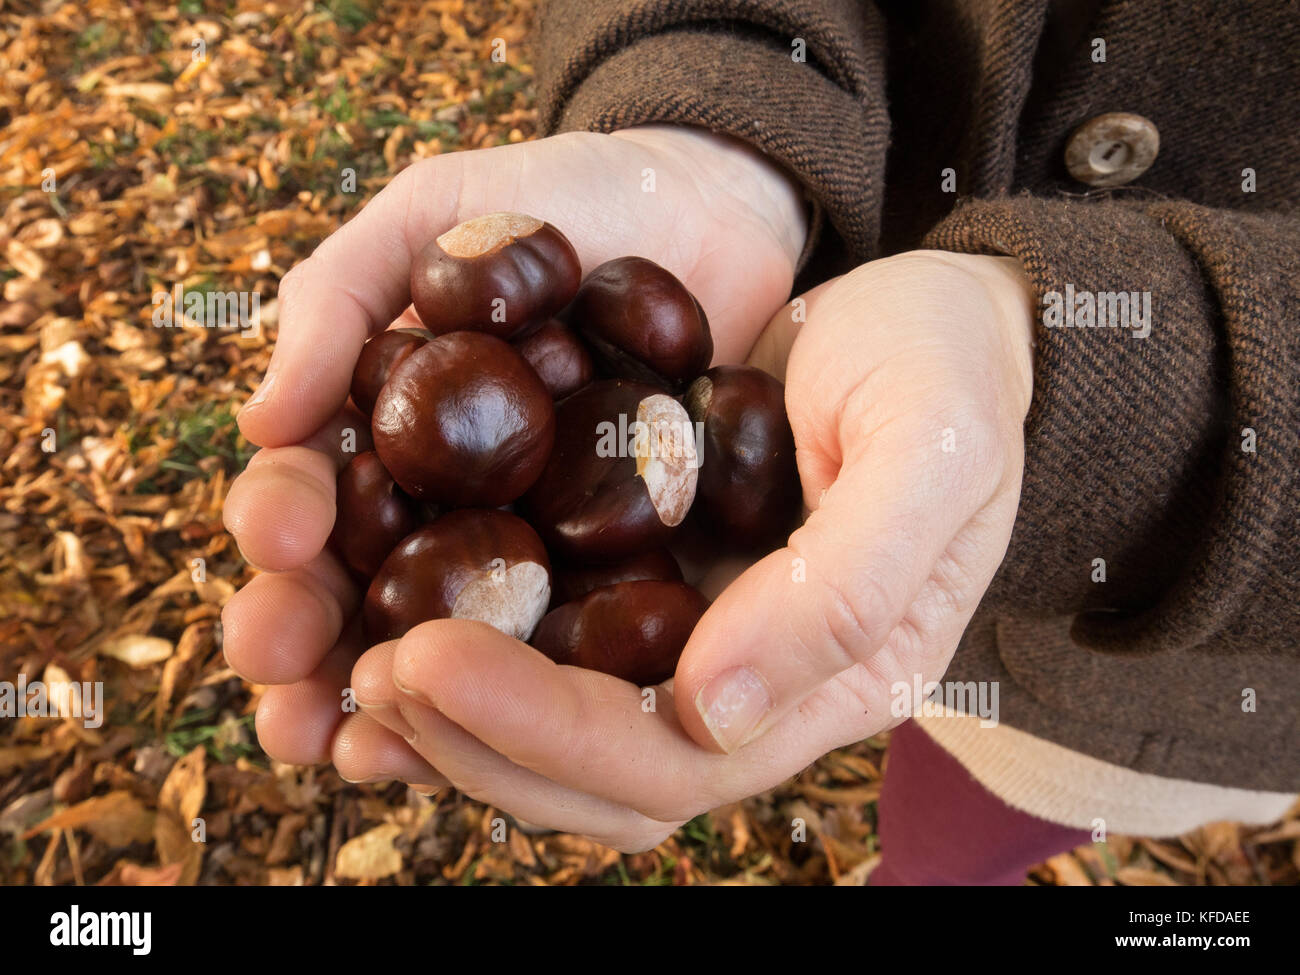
(574, 582)
(642, 323)
(373, 515)
(621, 477)
(558, 357)
(632, 630)
(379, 357)
(748, 486)
(498, 273)
(474, 564)
(464, 420)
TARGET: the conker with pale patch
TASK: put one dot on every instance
(499, 273)
(621, 477)
(748, 489)
(478, 564)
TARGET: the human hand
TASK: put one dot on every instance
(719, 216)
(907, 388)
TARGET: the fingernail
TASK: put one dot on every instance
(426, 790)
(390, 718)
(410, 738)
(415, 695)
(732, 706)
(263, 391)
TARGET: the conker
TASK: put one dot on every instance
(748, 488)
(574, 582)
(642, 323)
(464, 420)
(499, 273)
(372, 515)
(476, 564)
(379, 357)
(558, 357)
(632, 630)
(621, 477)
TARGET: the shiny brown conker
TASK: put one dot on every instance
(632, 630)
(748, 489)
(498, 273)
(642, 323)
(558, 357)
(379, 357)
(464, 420)
(474, 563)
(621, 477)
(574, 582)
(372, 515)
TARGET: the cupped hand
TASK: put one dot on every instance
(709, 209)
(907, 384)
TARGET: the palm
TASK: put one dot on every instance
(615, 195)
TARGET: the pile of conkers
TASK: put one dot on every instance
(536, 449)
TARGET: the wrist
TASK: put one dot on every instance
(1011, 304)
(723, 165)
(1013, 295)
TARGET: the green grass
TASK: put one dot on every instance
(193, 729)
(207, 431)
(662, 877)
(338, 105)
(349, 14)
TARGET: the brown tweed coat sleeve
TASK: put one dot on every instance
(1173, 457)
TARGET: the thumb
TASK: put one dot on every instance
(351, 287)
(874, 577)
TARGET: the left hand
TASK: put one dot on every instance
(907, 388)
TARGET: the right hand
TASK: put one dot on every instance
(720, 217)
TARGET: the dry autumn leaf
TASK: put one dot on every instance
(118, 819)
(137, 650)
(126, 874)
(370, 856)
(127, 168)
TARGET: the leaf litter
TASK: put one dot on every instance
(203, 143)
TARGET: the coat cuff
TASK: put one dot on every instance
(728, 67)
(1171, 454)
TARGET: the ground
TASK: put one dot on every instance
(205, 142)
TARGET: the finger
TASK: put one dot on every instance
(587, 731)
(352, 286)
(280, 510)
(376, 695)
(486, 775)
(279, 627)
(296, 722)
(365, 751)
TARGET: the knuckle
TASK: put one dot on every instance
(856, 612)
(294, 279)
(857, 619)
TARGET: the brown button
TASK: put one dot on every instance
(1112, 149)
